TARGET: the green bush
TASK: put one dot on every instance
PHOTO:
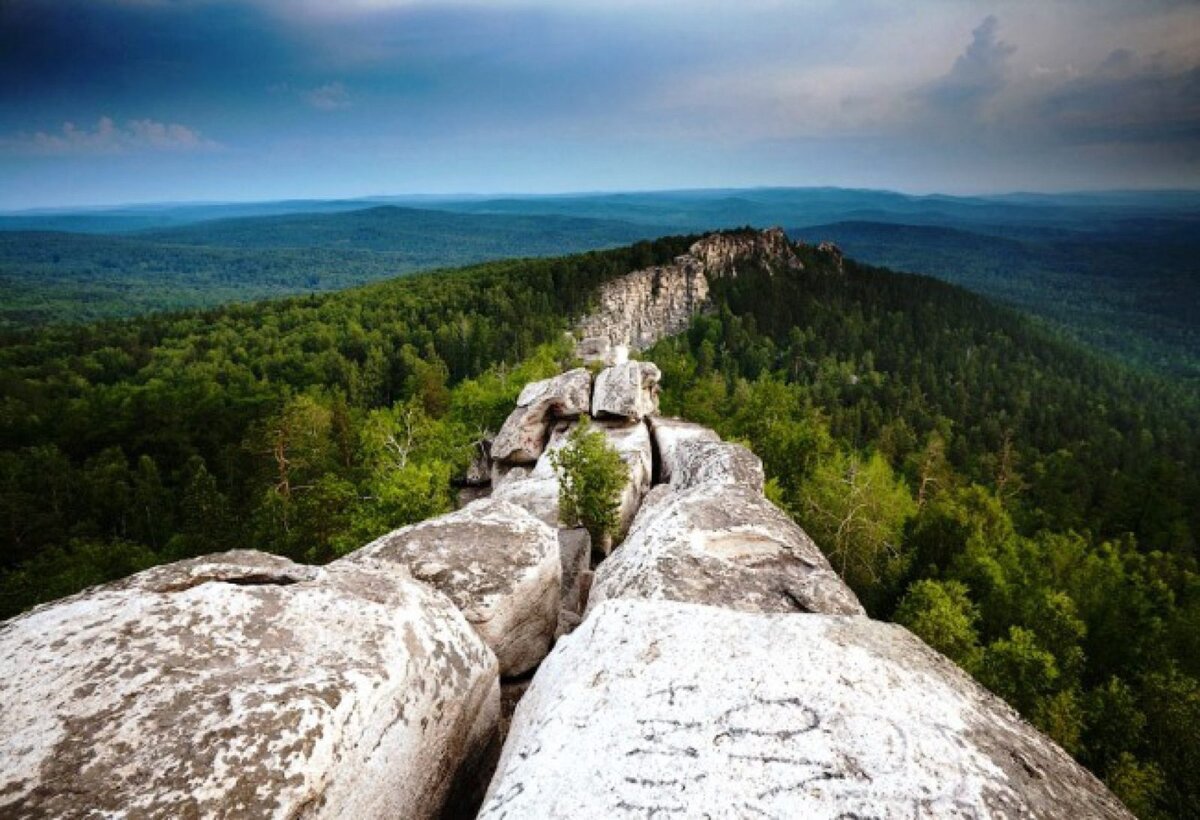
(591, 475)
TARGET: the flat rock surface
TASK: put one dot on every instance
(722, 545)
(661, 709)
(698, 461)
(499, 565)
(242, 685)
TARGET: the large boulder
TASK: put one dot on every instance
(723, 545)
(523, 436)
(698, 461)
(668, 434)
(628, 391)
(242, 685)
(498, 563)
(663, 709)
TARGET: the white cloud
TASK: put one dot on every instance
(109, 138)
(329, 97)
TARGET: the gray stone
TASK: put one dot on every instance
(697, 462)
(663, 709)
(723, 545)
(632, 443)
(523, 436)
(575, 551)
(567, 395)
(668, 434)
(242, 685)
(628, 391)
(497, 563)
(643, 306)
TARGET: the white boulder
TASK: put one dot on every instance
(242, 685)
(628, 390)
(698, 461)
(498, 563)
(523, 435)
(723, 545)
(663, 709)
(668, 434)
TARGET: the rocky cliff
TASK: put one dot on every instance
(706, 662)
(636, 310)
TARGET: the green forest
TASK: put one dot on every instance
(1027, 507)
(56, 277)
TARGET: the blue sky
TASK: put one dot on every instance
(110, 101)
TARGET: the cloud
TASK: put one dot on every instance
(109, 138)
(1126, 99)
(329, 97)
(978, 74)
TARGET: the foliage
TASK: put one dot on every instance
(304, 427)
(591, 477)
(1026, 507)
(857, 509)
(50, 277)
(942, 614)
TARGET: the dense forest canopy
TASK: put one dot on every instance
(1027, 507)
(55, 277)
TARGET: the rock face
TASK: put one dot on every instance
(724, 545)
(628, 391)
(242, 685)
(668, 434)
(638, 309)
(662, 709)
(499, 565)
(523, 436)
(705, 462)
(721, 254)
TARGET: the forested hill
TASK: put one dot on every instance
(1029, 508)
(1129, 287)
(65, 277)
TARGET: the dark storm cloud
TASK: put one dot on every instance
(1127, 100)
(259, 98)
(76, 48)
(977, 74)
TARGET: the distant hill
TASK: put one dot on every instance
(55, 277)
(1133, 289)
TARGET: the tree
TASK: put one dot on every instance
(855, 509)
(941, 614)
(591, 476)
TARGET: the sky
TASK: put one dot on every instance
(119, 101)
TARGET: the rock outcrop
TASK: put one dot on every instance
(712, 665)
(668, 434)
(663, 709)
(523, 436)
(627, 391)
(724, 545)
(499, 565)
(636, 310)
(242, 685)
(706, 462)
